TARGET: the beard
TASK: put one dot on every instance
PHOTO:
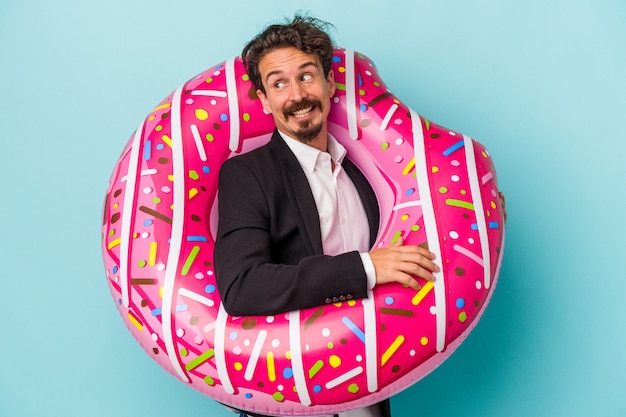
(308, 130)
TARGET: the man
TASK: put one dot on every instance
(297, 219)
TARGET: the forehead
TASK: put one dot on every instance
(284, 60)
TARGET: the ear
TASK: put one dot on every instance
(331, 83)
(264, 101)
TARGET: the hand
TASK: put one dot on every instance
(403, 263)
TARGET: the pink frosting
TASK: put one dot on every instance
(436, 187)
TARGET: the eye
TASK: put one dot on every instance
(307, 76)
(279, 85)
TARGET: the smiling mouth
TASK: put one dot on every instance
(302, 112)
(303, 109)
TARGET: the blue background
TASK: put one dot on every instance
(541, 83)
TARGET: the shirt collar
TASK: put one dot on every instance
(307, 155)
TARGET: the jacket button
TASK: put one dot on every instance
(335, 299)
(328, 301)
(349, 296)
(342, 298)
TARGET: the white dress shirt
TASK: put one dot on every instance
(343, 221)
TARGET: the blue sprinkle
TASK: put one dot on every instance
(233, 335)
(363, 108)
(336, 59)
(493, 225)
(147, 150)
(223, 117)
(147, 222)
(354, 328)
(317, 388)
(460, 303)
(209, 289)
(156, 311)
(248, 395)
(196, 239)
(389, 300)
(160, 147)
(119, 301)
(206, 169)
(360, 80)
(474, 226)
(287, 373)
(115, 269)
(181, 307)
(453, 148)
(410, 191)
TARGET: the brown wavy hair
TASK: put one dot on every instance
(308, 34)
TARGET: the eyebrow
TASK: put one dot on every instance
(304, 65)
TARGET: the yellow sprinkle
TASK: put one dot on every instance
(162, 106)
(114, 243)
(170, 178)
(271, 369)
(238, 366)
(167, 140)
(404, 217)
(334, 361)
(116, 205)
(352, 303)
(424, 341)
(409, 167)
(135, 322)
(422, 293)
(434, 169)
(288, 355)
(152, 254)
(160, 292)
(391, 350)
(192, 193)
(202, 114)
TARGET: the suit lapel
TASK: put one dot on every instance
(299, 192)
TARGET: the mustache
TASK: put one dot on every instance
(303, 104)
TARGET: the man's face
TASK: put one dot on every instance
(296, 93)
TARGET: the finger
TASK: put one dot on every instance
(409, 281)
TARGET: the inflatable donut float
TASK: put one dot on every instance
(436, 187)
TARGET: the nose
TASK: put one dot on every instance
(298, 92)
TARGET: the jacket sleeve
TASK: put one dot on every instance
(249, 279)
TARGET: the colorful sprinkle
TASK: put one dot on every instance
(353, 328)
(392, 349)
(315, 368)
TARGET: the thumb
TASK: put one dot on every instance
(398, 242)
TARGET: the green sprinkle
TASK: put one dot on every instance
(192, 257)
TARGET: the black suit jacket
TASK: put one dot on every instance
(268, 252)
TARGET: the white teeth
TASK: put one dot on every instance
(303, 112)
